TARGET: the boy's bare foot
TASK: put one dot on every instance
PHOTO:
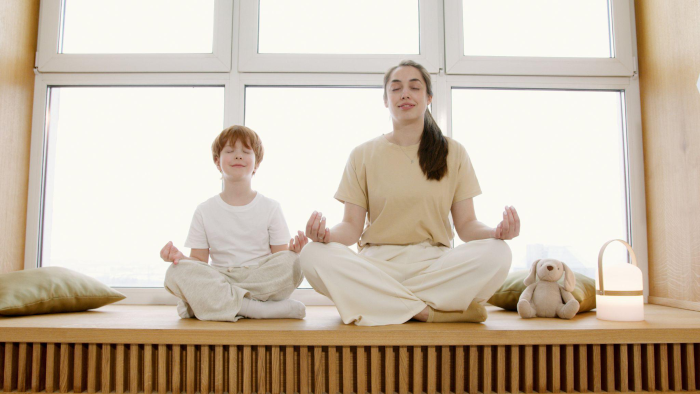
(285, 309)
(422, 315)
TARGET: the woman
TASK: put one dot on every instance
(408, 181)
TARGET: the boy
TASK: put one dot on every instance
(253, 270)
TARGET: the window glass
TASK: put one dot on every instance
(558, 158)
(127, 168)
(137, 26)
(537, 28)
(338, 27)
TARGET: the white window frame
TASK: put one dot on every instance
(367, 73)
(49, 60)
(249, 60)
(623, 64)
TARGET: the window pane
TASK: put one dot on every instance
(334, 27)
(308, 134)
(138, 26)
(558, 158)
(537, 28)
(127, 168)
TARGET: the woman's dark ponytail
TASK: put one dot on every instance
(433, 148)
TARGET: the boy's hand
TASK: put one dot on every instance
(171, 254)
(297, 243)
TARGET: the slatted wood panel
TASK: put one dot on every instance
(219, 369)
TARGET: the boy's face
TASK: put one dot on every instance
(236, 162)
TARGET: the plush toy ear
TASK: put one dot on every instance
(533, 274)
(569, 279)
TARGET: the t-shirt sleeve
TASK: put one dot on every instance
(277, 227)
(353, 184)
(467, 184)
(197, 236)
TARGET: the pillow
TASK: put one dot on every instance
(508, 295)
(52, 290)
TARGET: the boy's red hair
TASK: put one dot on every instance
(229, 136)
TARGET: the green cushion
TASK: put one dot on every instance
(52, 290)
(508, 295)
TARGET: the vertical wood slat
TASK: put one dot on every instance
(78, 363)
(555, 371)
(361, 376)
(22, 367)
(106, 368)
(64, 368)
(260, 387)
(569, 374)
(190, 370)
(233, 369)
(162, 368)
(528, 372)
(276, 371)
(677, 378)
(205, 368)
(247, 370)
(303, 370)
(347, 370)
(375, 370)
(541, 368)
(332, 370)
(473, 370)
(50, 383)
(514, 369)
(447, 376)
(486, 375)
(690, 366)
(36, 368)
(609, 372)
(134, 374)
(582, 368)
(92, 368)
(319, 378)
(624, 369)
(637, 367)
(9, 371)
(501, 369)
(404, 371)
(120, 364)
(417, 369)
(176, 375)
(432, 370)
(219, 369)
(596, 369)
(389, 374)
(663, 366)
(650, 368)
(459, 370)
(148, 368)
(289, 369)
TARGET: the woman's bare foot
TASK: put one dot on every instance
(422, 315)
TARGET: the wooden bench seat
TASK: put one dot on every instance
(130, 349)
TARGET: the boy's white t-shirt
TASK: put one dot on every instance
(237, 236)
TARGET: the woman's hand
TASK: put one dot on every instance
(509, 227)
(171, 254)
(316, 228)
(297, 243)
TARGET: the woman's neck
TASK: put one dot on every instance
(407, 134)
(238, 193)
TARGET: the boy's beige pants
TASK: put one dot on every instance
(215, 293)
(389, 284)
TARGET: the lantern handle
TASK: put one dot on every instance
(600, 263)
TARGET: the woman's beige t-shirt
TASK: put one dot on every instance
(403, 206)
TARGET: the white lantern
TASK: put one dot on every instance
(620, 297)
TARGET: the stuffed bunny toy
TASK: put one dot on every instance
(546, 298)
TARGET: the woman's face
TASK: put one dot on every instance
(406, 95)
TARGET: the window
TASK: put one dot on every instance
(123, 163)
(121, 115)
